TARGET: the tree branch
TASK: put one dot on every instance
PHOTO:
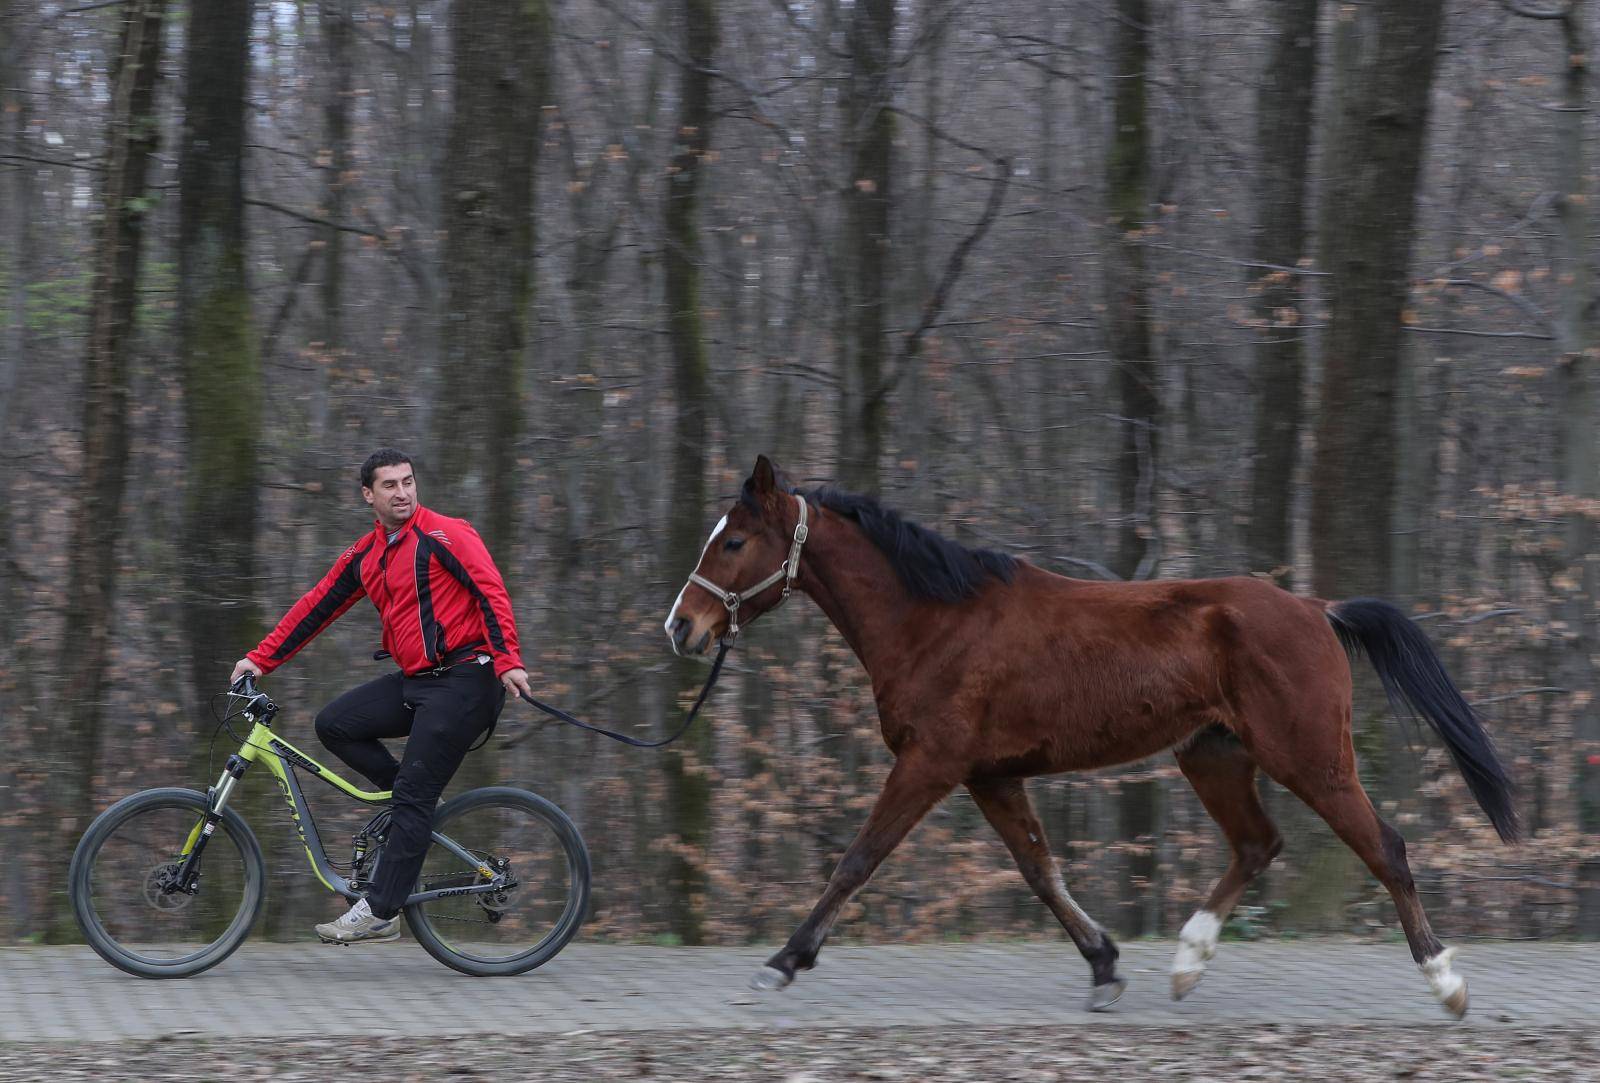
(1505, 295)
(1477, 334)
(291, 296)
(89, 7)
(933, 308)
(311, 219)
(52, 161)
(1542, 690)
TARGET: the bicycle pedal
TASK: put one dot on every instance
(340, 943)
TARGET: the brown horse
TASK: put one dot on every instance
(987, 670)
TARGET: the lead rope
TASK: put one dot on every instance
(562, 716)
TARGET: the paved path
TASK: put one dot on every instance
(69, 994)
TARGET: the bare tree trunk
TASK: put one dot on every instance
(1373, 165)
(335, 428)
(1135, 379)
(688, 787)
(1127, 291)
(218, 345)
(19, 200)
(17, 187)
(97, 519)
(922, 272)
(869, 134)
(1283, 147)
(1578, 584)
(336, 29)
(501, 65)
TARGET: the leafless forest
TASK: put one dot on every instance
(1130, 288)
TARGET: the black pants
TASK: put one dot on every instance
(442, 716)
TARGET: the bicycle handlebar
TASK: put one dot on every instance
(255, 700)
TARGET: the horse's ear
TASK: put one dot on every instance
(764, 478)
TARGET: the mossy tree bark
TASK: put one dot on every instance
(17, 189)
(501, 68)
(1579, 450)
(1373, 162)
(1135, 375)
(869, 136)
(1385, 57)
(1283, 149)
(689, 790)
(1135, 378)
(223, 407)
(1577, 579)
(97, 518)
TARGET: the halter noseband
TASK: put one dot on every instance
(786, 571)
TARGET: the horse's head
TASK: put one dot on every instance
(748, 565)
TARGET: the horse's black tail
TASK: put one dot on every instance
(1417, 684)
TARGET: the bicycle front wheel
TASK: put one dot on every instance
(122, 885)
(539, 852)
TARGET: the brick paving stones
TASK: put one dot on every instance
(67, 994)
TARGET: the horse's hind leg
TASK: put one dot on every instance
(913, 787)
(1323, 775)
(1224, 776)
(1005, 803)
(1347, 809)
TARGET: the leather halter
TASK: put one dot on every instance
(786, 572)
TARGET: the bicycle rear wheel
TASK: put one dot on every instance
(121, 885)
(539, 851)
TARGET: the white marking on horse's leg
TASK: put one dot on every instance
(1197, 943)
(1447, 985)
(673, 612)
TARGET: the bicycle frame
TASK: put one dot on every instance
(281, 758)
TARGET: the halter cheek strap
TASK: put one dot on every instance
(787, 571)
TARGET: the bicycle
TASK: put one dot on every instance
(166, 883)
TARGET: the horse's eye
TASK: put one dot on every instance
(733, 543)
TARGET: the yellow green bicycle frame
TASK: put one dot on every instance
(277, 754)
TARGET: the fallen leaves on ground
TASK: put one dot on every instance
(829, 1054)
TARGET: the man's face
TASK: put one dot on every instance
(393, 495)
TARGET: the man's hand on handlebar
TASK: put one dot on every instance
(243, 666)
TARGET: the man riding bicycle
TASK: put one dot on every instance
(448, 625)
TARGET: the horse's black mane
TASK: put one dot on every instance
(929, 565)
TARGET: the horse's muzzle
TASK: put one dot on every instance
(679, 632)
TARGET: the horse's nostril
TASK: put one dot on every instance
(680, 630)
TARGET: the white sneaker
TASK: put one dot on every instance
(359, 924)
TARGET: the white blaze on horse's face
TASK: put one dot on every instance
(672, 614)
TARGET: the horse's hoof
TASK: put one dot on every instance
(1456, 1002)
(1184, 981)
(769, 979)
(1102, 997)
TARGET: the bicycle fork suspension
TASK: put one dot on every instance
(187, 878)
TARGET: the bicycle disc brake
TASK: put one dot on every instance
(161, 890)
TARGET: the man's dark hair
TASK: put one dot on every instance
(386, 457)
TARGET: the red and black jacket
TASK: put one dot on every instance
(435, 587)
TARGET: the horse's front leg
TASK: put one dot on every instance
(1005, 804)
(914, 786)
